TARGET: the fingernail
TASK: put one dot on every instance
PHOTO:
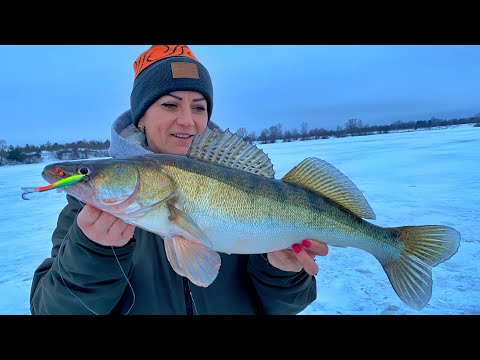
(296, 248)
(306, 243)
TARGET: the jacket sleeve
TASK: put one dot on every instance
(280, 292)
(81, 276)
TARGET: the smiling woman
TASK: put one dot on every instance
(171, 122)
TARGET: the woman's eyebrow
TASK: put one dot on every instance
(180, 98)
(174, 96)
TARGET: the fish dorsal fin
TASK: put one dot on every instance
(230, 150)
(323, 178)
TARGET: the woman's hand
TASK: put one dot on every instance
(301, 256)
(104, 228)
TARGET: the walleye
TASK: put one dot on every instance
(223, 197)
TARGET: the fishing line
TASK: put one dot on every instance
(118, 262)
(63, 280)
(126, 278)
(195, 312)
(193, 302)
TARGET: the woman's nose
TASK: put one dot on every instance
(185, 117)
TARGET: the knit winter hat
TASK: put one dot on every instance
(163, 69)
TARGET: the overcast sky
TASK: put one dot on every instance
(63, 93)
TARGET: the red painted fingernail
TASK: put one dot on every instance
(306, 243)
(296, 248)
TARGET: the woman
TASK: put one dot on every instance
(102, 265)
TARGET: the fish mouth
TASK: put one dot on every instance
(53, 174)
(81, 190)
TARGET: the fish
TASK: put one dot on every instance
(223, 197)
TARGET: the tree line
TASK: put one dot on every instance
(353, 127)
(31, 153)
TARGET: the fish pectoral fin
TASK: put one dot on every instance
(187, 224)
(193, 260)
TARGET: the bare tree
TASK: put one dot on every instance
(295, 134)
(3, 150)
(275, 133)
(287, 136)
(264, 135)
(304, 130)
(242, 132)
(353, 125)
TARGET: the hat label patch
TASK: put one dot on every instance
(184, 70)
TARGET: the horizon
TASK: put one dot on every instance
(248, 131)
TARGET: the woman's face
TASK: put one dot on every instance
(172, 121)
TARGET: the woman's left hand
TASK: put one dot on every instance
(300, 256)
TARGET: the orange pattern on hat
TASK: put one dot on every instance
(160, 52)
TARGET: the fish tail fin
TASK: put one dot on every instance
(424, 247)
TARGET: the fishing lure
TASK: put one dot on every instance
(56, 185)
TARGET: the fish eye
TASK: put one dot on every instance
(84, 170)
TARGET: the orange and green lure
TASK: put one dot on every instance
(56, 185)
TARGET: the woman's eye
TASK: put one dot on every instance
(170, 105)
(84, 170)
